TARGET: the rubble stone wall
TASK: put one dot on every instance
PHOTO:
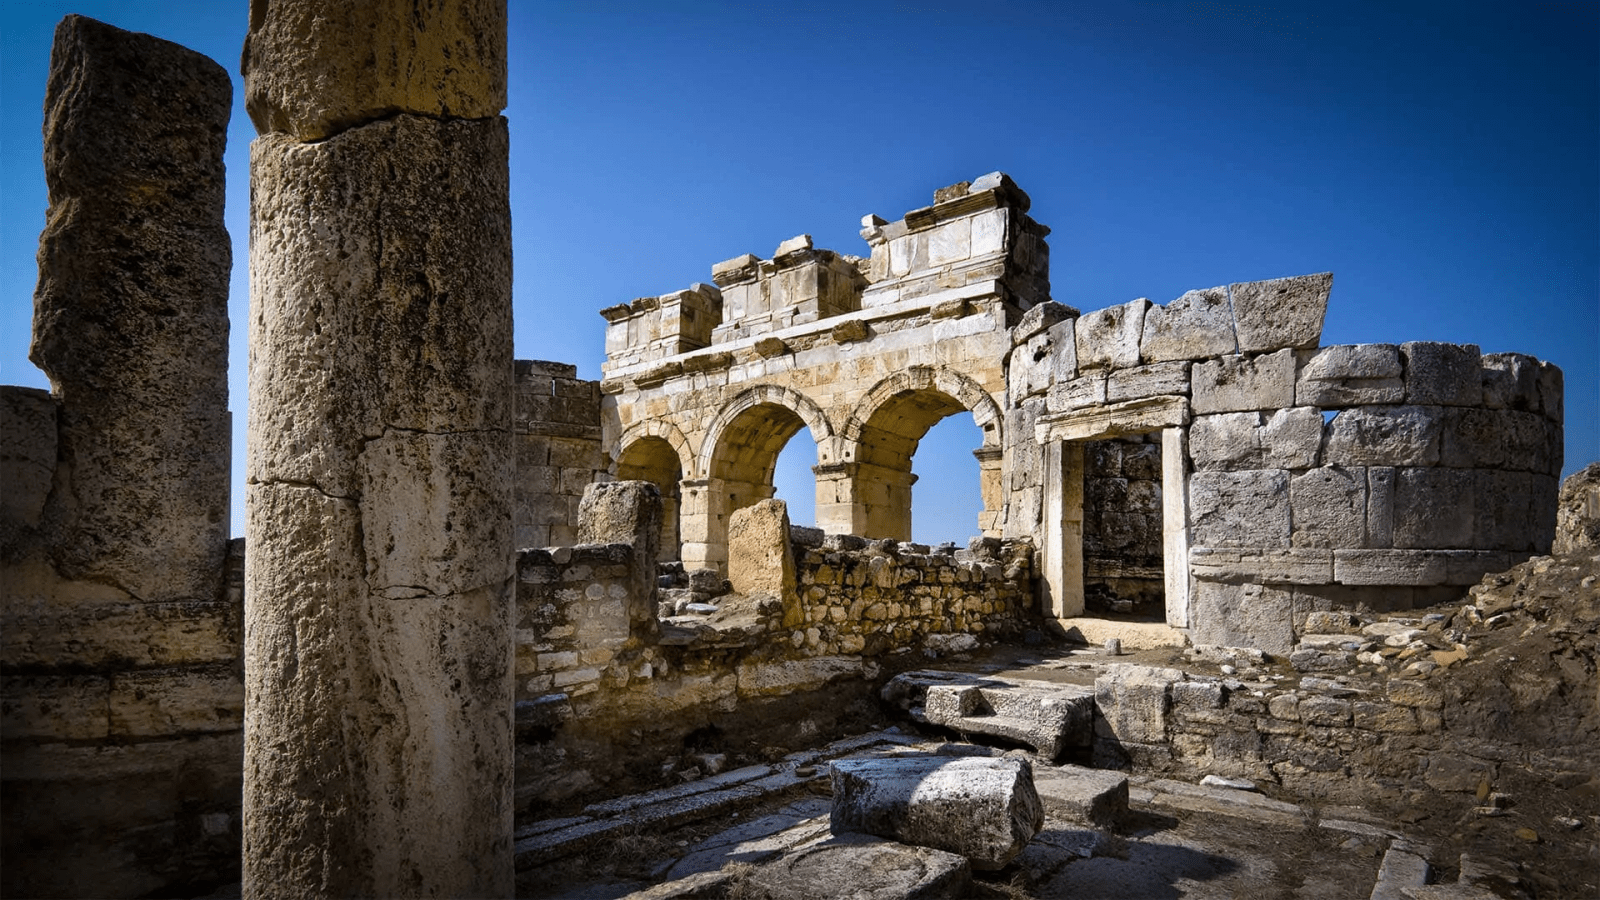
(121, 696)
(558, 451)
(596, 670)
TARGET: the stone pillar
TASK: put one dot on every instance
(837, 509)
(1175, 524)
(378, 745)
(991, 488)
(131, 311)
(1062, 584)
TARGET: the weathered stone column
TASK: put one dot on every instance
(378, 744)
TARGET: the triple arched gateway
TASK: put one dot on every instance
(1202, 464)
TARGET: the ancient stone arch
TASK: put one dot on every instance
(657, 452)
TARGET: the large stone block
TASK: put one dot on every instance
(131, 310)
(1291, 438)
(1283, 312)
(621, 512)
(760, 555)
(1242, 615)
(1262, 565)
(1511, 381)
(1197, 325)
(1133, 702)
(1350, 375)
(1240, 509)
(1434, 508)
(1226, 441)
(1442, 374)
(1160, 379)
(863, 867)
(984, 809)
(191, 700)
(1384, 436)
(1390, 567)
(1329, 507)
(312, 75)
(1238, 383)
(53, 708)
(1109, 338)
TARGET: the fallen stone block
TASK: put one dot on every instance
(983, 809)
(862, 867)
(1090, 796)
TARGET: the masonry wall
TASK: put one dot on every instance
(607, 696)
(558, 451)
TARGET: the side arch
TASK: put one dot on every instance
(655, 428)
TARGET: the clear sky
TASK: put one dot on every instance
(1442, 159)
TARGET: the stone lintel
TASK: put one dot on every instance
(1264, 565)
(1114, 420)
(736, 270)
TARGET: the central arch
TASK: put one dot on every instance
(882, 436)
(736, 462)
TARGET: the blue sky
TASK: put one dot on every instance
(1443, 160)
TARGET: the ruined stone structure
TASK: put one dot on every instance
(480, 588)
(1206, 457)
(379, 532)
(122, 698)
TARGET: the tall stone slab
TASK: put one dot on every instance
(131, 310)
(378, 745)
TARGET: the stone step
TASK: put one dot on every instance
(1044, 715)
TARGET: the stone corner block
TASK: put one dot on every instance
(1282, 312)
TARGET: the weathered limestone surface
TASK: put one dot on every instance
(121, 705)
(130, 313)
(760, 557)
(378, 650)
(1198, 325)
(1578, 515)
(558, 454)
(1283, 312)
(981, 808)
(312, 75)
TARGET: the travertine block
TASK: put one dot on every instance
(1283, 312)
(311, 74)
(1240, 509)
(1503, 510)
(1148, 381)
(193, 700)
(1084, 391)
(1134, 701)
(53, 632)
(1237, 383)
(760, 556)
(1197, 325)
(1226, 441)
(1578, 512)
(1291, 438)
(1329, 507)
(1390, 567)
(1039, 318)
(1551, 391)
(1109, 338)
(1384, 436)
(1434, 508)
(1350, 375)
(1262, 565)
(53, 707)
(131, 310)
(27, 457)
(1242, 615)
(1511, 381)
(1440, 374)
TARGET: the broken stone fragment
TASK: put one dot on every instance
(984, 809)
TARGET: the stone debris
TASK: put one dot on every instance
(1049, 717)
(983, 809)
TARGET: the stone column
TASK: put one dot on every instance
(378, 744)
(1175, 523)
(991, 488)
